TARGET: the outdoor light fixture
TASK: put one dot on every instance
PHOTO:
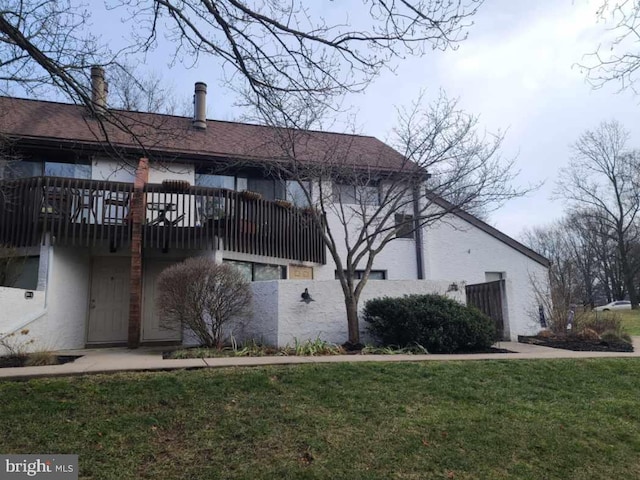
(453, 287)
(306, 297)
(28, 295)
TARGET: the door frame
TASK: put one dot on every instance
(87, 343)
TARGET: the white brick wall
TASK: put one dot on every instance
(280, 318)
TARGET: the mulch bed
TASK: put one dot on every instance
(21, 361)
(577, 344)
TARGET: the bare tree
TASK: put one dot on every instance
(603, 179)
(48, 44)
(275, 46)
(202, 296)
(141, 91)
(619, 59)
(565, 287)
(364, 198)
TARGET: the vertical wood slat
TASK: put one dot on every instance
(76, 212)
(487, 297)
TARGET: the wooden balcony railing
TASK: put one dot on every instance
(86, 212)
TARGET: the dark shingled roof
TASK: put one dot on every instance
(42, 122)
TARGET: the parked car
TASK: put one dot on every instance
(618, 305)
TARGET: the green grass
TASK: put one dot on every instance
(630, 321)
(561, 419)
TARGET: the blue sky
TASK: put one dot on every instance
(517, 71)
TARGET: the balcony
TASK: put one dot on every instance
(88, 212)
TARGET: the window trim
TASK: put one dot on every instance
(360, 273)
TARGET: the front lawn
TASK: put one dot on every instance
(630, 321)
(561, 419)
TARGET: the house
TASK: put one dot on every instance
(98, 209)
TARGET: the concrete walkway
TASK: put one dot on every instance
(121, 359)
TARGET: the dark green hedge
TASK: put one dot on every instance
(439, 324)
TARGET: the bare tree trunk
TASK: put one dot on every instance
(627, 273)
(351, 302)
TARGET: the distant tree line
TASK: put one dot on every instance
(595, 249)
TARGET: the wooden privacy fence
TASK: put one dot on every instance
(487, 297)
(85, 212)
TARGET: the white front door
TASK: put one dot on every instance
(153, 329)
(109, 302)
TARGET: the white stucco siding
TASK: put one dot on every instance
(458, 251)
(17, 312)
(397, 259)
(68, 298)
(171, 171)
(118, 171)
(55, 319)
(279, 317)
(113, 170)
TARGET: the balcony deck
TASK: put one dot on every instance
(87, 212)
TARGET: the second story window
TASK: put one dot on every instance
(356, 194)
(215, 181)
(68, 170)
(404, 226)
(269, 188)
(296, 193)
(20, 169)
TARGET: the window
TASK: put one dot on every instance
(256, 272)
(215, 181)
(404, 226)
(356, 194)
(22, 272)
(269, 188)
(21, 169)
(296, 193)
(373, 274)
(67, 170)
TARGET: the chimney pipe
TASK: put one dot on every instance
(98, 89)
(200, 106)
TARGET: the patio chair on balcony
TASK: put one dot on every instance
(56, 203)
(115, 208)
(163, 210)
(84, 206)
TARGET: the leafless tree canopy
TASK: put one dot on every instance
(603, 182)
(292, 47)
(202, 297)
(617, 60)
(273, 45)
(44, 44)
(443, 163)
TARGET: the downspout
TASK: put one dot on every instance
(418, 233)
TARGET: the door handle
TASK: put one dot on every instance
(93, 303)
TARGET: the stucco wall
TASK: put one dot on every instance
(279, 312)
(67, 301)
(172, 171)
(458, 251)
(16, 312)
(56, 318)
(397, 259)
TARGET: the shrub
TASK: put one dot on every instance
(202, 296)
(601, 322)
(613, 336)
(439, 324)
